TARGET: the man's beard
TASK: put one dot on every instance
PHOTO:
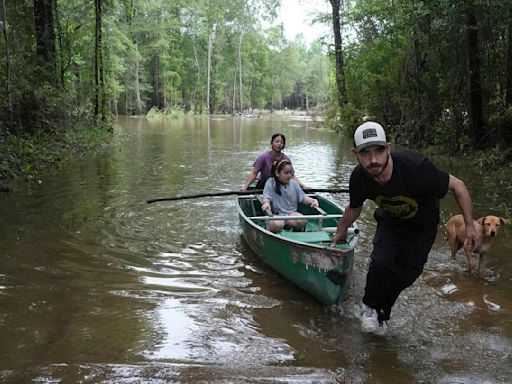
(382, 169)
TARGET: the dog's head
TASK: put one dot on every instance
(491, 224)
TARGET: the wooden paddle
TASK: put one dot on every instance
(241, 193)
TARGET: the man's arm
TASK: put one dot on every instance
(349, 216)
(463, 198)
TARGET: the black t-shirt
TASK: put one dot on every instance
(411, 196)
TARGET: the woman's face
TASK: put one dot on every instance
(285, 174)
(278, 144)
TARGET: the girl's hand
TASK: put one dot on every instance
(265, 207)
(314, 203)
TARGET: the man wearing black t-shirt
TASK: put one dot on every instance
(407, 187)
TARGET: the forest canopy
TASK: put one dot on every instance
(433, 72)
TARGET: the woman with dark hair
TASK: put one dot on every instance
(263, 164)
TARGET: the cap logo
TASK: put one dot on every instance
(369, 132)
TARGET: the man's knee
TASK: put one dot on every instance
(380, 263)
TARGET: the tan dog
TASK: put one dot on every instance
(487, 227)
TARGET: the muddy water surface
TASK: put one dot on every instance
(97, 286)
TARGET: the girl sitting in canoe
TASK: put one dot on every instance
(283, 194)
(263, 164)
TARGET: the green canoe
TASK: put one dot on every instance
(304, 258)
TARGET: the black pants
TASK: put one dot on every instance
(399, 254)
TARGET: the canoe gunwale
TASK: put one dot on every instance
(292, 242)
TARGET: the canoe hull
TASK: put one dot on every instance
(321, 271)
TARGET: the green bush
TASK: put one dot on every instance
(175, 112)
(26, 156)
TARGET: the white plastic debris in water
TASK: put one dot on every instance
(449, 288)
(492, 306)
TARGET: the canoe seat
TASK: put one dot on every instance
(307, 237)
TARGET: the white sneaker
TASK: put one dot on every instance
(369, 319)
(381, 329)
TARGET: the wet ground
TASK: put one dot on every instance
(97, 286)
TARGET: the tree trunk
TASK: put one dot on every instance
(156, 99)
(45, 37)
(210, 44)
(240, 92)
(162, 52)
(477, 134)
(273, 90)
(138, 99)
(3, 19)
(127, 106)
(306, 97)
(97, 4)
(249, 98)
(62, 67)
(198, 77)
(338, 53)
(233, 103)
(508, 96)
(136, 78)
(101, 66)
(99, 103)
(419, 131)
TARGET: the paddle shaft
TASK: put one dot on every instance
(241, 193)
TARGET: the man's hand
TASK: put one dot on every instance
(472, 239)
(349, 216)
(339, 237)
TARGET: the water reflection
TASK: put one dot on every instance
(98, 286)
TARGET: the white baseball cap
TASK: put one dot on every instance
(369, 133)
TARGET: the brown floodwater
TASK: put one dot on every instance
(97, 286)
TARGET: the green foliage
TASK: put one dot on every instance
(407, 67)
(505, 209)
(155, 54)
(500, 120)
(28, 156)
(350, 118)
(172, 112)
(492, 158)
(153, 113)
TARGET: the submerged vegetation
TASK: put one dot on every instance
(172, 112)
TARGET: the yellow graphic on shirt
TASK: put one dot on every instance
(401, 207)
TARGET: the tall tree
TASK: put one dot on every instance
(134, 59)
(315, 76)
(99, 101)
(3, 20)
(508, 77)
(45, 37)
(211, 37)
(477, 132)
(338, 53)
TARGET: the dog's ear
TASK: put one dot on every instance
(504, 221)
(481, 221)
